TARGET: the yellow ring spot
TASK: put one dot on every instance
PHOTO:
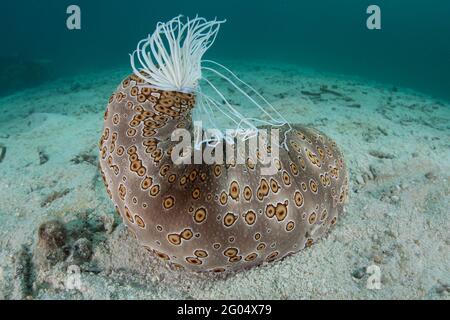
(247, 193)
(313, 186)
(169, 202)
(172, 178)
(200, 215)
(230, 252)
(196, 193)
(290, 226)
(250, 217)
(312, 218)
(229, 219)
(174, 239)
(251, 257)
(261, 246)
(270, 211)
(193, 260)
(281, 211)
(234, 190)
(154, 190)
(139, 221)
(217, 170)
(223, 198)
(200, 253)
(298, 198)
(186, 234)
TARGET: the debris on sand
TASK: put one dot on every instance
(2, 152)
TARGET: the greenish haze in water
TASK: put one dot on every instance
(412, 49)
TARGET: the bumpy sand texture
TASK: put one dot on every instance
(396, 143)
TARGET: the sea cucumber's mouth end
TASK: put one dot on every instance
(171, 56)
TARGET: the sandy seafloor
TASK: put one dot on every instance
(397, 147)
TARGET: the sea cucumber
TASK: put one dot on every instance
(213, 217)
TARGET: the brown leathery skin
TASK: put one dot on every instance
(214, 217)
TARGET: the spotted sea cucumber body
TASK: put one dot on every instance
(214, 217)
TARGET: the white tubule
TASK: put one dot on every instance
(170, 58)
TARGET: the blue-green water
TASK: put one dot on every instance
(412, 49)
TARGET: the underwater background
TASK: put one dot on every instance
(412, 49)
(382, 95)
